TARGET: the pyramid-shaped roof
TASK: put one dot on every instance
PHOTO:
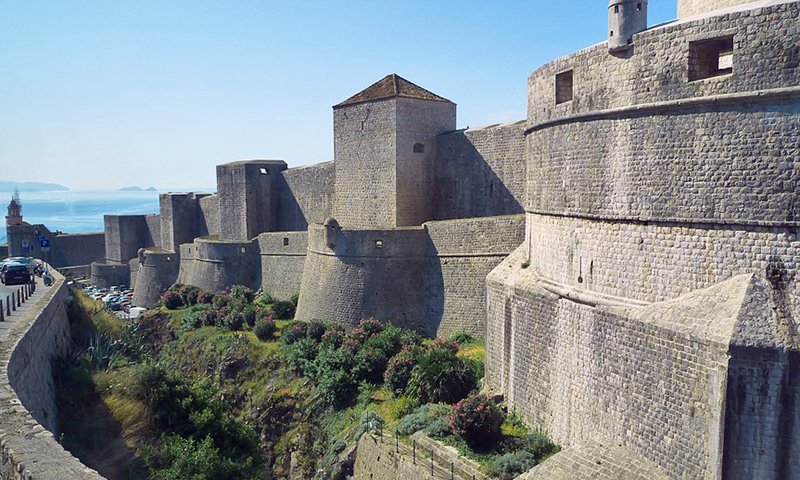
(391, 86)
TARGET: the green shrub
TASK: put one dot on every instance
(461, 338)
(511, 465)
(371, 326)
(266, 298)
(478, 420)
(189, 294)
(196, 317)
(354, 340)
(316, 329)
(333, 338)
(421, 418)
(333, 369)
(293, 332)
(243, 293)
(295, 299)
(387, 340)
(186, 458)
(370, 365)
(171, 299)
(399, 368)
(410, 337)
(220, 300)
(539, 445)
(440, 376)
(204, 296)
(265, 328)
(192, 410)
(284, 309)
(300, 356)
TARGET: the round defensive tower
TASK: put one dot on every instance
(661, 257)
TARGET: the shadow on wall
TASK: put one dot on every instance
(468, 184)
(434, 290)
(290, 214)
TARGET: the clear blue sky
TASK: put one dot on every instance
(105, 94)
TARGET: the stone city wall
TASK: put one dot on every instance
(215, 264)
(651, 261)
(368, 273)
(27, 450)
(687, 8)
(576, 370)
(480, 172)
(76, 249)
(460, 255)
(305, 195)
(104, 275)
(283, 257)
(126, 234)
(157, 271)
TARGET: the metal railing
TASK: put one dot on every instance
(15, 300)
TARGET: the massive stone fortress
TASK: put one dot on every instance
(404, 224)
(647, 317)
(654, 301)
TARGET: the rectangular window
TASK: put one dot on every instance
(710, 58)
(564, 87)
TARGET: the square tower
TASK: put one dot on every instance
(384, 149)
(246, 204)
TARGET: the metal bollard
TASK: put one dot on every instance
(2, 312)
(8, 306)
(431, 462)
(452, 471)
(397, 443)
(414, 452)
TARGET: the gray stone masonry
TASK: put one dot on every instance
(38, 333)
(248, 198)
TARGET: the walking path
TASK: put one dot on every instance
(25, 305)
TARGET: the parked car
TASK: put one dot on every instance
(14, 274)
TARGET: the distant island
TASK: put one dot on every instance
(137, 189)
(31, 187)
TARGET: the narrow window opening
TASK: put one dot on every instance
(639, 7)
(564, 87)
(169, 259)
(242, 249)
(378, 243)
(710, 58)
(285, 241)
(419, 148)
(264, 171)
(611, 34)
(616, 8)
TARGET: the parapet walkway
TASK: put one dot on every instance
(21, 294)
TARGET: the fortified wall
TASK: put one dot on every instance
(30, 339)
(654, 301)
(422, 213)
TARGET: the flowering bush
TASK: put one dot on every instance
(398, 371)
(204, 296)
(265, 328)
(370, 365)
(316, 329)
(445, 344)
(220, 299)
(242, 293)
(371, 326)
(293, 333)
(354, 340)
(477, 420)
(332, 338)
(171, 299)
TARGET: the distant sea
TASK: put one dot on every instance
(77, 211)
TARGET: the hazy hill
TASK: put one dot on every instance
(31, 187)
(137, 189)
